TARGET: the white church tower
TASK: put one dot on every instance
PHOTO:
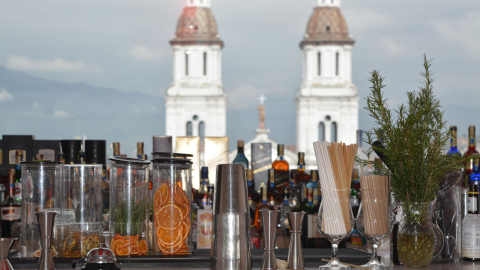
(327, 102)
(196, 101)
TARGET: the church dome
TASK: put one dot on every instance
(327, 26)
(196, 25)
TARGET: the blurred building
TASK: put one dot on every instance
(327, 102)
(196, 101)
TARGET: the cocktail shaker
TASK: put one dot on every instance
(45, 221)
(231, 230)
(6, 245)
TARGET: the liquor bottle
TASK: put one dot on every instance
(264, 205)
(10, 208)
(203, 196)
(313, 180)
(453, 141)
(473, 195)
(254, 237)
(281, 167)
(303, 207)
(18, 176)
(354, 202)
(253, 196)
(241, 158)
(274, 197)
(116, 149)
(302, 176)
(140, 154)
(284, 209)
(211, 192)
(470, 153)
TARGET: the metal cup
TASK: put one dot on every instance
(46, 220)
(295, 256)
(6, 245)
(231, 233)
(269, 227)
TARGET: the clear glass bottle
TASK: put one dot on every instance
(241, 158)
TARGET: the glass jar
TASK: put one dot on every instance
(418, 239)
(82, 211)
(41, 192)
(172, 219)
(129, 206)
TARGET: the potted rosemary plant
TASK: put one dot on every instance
(413, 138)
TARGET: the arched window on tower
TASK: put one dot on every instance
(319, 63)
(336, 64)
(205, 64)
(189, 128)
(333, 136)
(186, 62)
(321, 131)
(201, 130)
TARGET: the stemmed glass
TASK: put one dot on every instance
(375, 220)
(332, 223)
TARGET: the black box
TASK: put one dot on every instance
(48, 148)
(261, 162)
(96, 152)
(70, 150)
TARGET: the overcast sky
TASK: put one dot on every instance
(125, 45)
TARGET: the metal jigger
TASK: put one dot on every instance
(269, 227)
(231, 219)
(6, 245)
(295, 256)
(45, 226)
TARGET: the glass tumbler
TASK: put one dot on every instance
(82, 211)
(335, 221)
(41, 192)
(129, 206)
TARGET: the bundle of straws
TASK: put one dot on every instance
(375, 196)
(335, 165)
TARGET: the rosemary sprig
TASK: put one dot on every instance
(414, 136)
(129, 217)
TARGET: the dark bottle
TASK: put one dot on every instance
(473, 200)
(274, 197)
(284, 209)
(253, 196)
(281, 167)
(264, 205)
(304, 207)
(471, 152)
(241, 158)
(453, 142)
(203, 200)
(18, 176)
(302, 176)
(10, 208)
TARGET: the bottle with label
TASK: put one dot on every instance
(241, 158)
(205, 214)
(284, 209)
(453, 142)
(10, 208)
(264, 205)
(202, 196)
(313, 180)
(471, 237)
(18, 176)
(274, 197)
(253, 196)
(302, 176)
(304, 207)
(281, 167)
(471, 152)
(211, 192)
(473, 190)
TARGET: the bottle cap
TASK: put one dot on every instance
(240, 144)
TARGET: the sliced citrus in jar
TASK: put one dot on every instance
(169, 217)
(157, 200)
(169, 237)
(142, 246)
(124, 250)
(117, 243)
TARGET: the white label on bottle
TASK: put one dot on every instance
(471, 236)
(18, 191)
(204, 229)
(48, 154)
(472, 204)
(11, 213)
(24, 251)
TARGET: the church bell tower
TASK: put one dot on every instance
(327, 102)
(196, 101)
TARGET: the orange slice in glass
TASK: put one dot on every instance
(169, 217)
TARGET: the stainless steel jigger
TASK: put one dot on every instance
(45, 223)
(269, 227)
(6, 245)
(295, 256)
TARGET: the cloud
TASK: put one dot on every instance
(145, 54)
(61, 114)
(461, 32)
(245, 96)
(4, 95)
(392, 47)
(24, 63)
(36, 106)
(143, 109)
(366, 19)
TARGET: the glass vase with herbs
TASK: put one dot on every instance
(412, 152)
(129, 207)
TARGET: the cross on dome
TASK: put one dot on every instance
(199, 3)
(262, 99)
(327, 3)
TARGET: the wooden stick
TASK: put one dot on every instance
(348, 264)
